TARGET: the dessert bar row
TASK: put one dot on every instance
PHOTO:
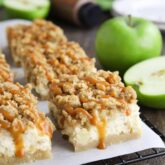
(92, 108)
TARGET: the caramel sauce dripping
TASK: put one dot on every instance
(7, 115)
(101, 127)
(16, 132)
(44, 126)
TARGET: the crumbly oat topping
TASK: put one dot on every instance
(70, 58)
(39, 32)
(18, 112)
(100, 90)
(5, 74)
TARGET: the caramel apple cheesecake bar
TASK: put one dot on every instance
(5, 72)
(39, 31)
(95, 110)
(25, 133)
(41, 66)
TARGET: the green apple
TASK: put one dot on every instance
(27, 9)
(123, 41)
(148, 79)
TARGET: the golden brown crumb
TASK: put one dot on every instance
(5, 73)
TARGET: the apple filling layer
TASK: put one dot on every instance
(95, 110)
(25, 133)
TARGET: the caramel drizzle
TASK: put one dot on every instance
(94, 120)
(84, 100)
(58, 62)
(16, 132)
(44, 125)
(7, 115)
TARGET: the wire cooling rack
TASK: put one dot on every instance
(137, 156)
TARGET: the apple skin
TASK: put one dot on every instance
(153, 101)
(148, 74)
(30, 15)
(122, 42)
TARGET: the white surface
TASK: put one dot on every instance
(153, 10)
(62, 150)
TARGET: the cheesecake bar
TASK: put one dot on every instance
(39, 31)
(41, 66)
(25, 133)
(5, 73)
(95, 110)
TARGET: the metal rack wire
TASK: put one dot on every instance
(137, 156)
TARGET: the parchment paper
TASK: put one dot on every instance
(63, 153)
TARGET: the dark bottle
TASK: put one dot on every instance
(81, 12)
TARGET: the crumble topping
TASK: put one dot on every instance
(70, 58)
(39, 32)
(5, 74)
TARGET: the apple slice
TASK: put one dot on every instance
(148, 79)
(27, 9)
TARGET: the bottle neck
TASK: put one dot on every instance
(90, 14)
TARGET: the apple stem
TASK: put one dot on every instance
(129, 20)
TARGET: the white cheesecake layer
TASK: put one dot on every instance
(33, 142)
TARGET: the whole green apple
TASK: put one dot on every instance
(123, 41)
(148, 79)
(27, 9)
